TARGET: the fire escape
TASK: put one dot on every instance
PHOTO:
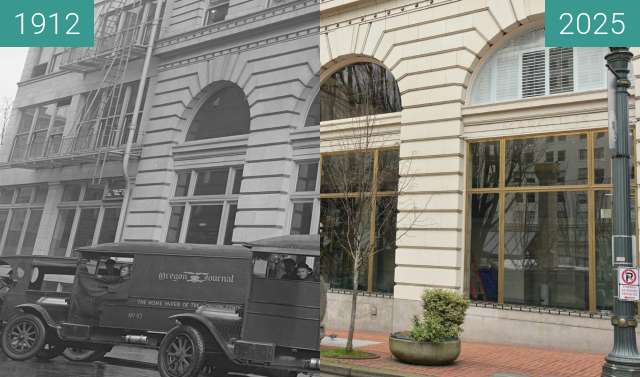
(99, 131)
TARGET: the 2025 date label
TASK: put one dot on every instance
(592, 23)
(46, 23)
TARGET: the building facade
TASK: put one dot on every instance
(223, 139)
(505, 179)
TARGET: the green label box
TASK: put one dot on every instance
(46, 23)
(592, 23)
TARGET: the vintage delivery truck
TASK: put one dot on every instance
(229, 309)
(47, 282)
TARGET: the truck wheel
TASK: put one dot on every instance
(81, 354)
(181, 352)
(50, 351)
(23, 337)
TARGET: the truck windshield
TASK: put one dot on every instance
(278, 266)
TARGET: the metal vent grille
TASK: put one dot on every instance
(533, 74)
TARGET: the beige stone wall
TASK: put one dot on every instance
(433, 49)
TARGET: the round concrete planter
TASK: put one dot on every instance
(409, 351)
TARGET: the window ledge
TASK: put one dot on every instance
(41, 78)
(536, 102)
(378, 119)
(233, 147)
(361, 293)
(603, 314)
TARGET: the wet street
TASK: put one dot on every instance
(60, 367)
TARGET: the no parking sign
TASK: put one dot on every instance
(628, 284)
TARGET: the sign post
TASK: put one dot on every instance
(628, 284)
(623, 360)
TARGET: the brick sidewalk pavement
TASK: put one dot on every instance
(484, 360)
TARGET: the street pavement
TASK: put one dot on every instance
(61, 367)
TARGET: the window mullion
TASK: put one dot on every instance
(23, 231)
(3, 236)
(72, 233)
(222, 228)
(185, 223)
(96, 231)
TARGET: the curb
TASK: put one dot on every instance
(347, 370)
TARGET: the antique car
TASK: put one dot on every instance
(277, 330)
(227, 308)
(47, 282)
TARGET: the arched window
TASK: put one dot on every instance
(313, 116)
(524, 68)
(225, 113)
(359, 89)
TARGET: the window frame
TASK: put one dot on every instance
(298, 197)
(14, 206)
(77, 206)
(187, 202)
(590, 188)
(49, 131)
(212, 5)
(375, 155)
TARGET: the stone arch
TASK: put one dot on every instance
(308, 95)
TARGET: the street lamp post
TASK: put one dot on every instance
(623, 360)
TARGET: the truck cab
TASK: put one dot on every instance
(280, 324)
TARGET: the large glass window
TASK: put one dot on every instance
(224, 113)
(305, 199)
(374, 173)
(20, 214)
(529, 231)
(40, 131)
(360, 89)
(86, 216)
(204, 207)
(525, 68)
(106, 116)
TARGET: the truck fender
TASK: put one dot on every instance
(38, 311)
(188, 318)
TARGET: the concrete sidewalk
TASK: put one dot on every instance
(476, 360)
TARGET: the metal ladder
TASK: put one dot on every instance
(104, 101)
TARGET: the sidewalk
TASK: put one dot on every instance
(476, 360)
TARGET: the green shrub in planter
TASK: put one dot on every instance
(442, 316)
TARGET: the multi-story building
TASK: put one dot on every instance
(187, 121)
(503, 155)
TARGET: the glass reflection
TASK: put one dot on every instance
(485, 162)
(543, 161)
(360, 89)
(483, 284)
(546, 249)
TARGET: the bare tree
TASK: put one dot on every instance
(352, 178)
(6, 104)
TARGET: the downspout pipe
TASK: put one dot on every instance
(134, 122)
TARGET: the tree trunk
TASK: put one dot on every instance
(354, 302)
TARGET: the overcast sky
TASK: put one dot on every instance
(11, 62)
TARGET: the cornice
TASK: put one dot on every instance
(298, 34)
(233, 27)
(328, 11)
